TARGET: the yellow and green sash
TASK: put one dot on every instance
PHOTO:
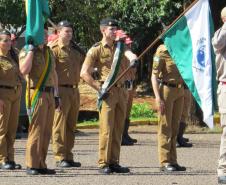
(32, 101)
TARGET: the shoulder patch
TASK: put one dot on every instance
(22, 53)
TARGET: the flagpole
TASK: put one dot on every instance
(152, 44)
(167, 28)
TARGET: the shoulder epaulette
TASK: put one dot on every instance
(78, 48)
(96, 44)
(161, 49)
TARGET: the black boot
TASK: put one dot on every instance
(125, 132)
(180, 140)
(126, 139)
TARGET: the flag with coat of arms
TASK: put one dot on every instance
(189, 44)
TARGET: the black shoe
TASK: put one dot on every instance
(184, 144)
(119, 169)
(126, 142)
(105, 170)
(222, 179)
(63, 164)
(131, 139)
(167, 168)
(185, 139)
(16, 166)
(32, 171)
(178, 167)
(74, 164)
(7, 166)
(46, 171)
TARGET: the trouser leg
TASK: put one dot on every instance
(12, 128)
(120, 113)
(71, 123)
(4, 119)
(221, 170)
(107, 117)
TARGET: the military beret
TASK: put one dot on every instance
(223, 12)
(5, 32)
(109, 22)
(64, 23)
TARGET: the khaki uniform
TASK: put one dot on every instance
(187, 105)
(10, 93)
(171, 92)
(40, 128)
(113, 111)
(68, 66)
(219, 45)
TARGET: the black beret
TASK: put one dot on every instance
(4, 32)
(64, 23)
(109, 22)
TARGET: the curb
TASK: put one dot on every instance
(133, 123)
(138, 123)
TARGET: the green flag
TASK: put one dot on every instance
(189, 44)
(37, 13)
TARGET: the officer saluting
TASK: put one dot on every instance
(10, 93)
(68, 66)
(113, 110)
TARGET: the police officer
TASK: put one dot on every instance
(219, 45)
(68, 66)
(181, 141)
(169, 100)
(113, 110)
(10, 93)
(33, 61)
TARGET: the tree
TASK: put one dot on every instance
(12, 14)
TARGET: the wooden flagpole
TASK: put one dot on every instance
(152, 44)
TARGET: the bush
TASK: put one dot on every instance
(142, 110)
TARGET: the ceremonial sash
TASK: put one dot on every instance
(114, 70)
(41, 83)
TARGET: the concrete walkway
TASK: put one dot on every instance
(201, 162)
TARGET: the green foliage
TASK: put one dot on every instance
(142, 110)
(12, 14)
(138, 17)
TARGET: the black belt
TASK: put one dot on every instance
(8, 87)
(46, 89)
(173, 85)
(69, 86)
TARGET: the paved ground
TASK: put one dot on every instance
(201, 162)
